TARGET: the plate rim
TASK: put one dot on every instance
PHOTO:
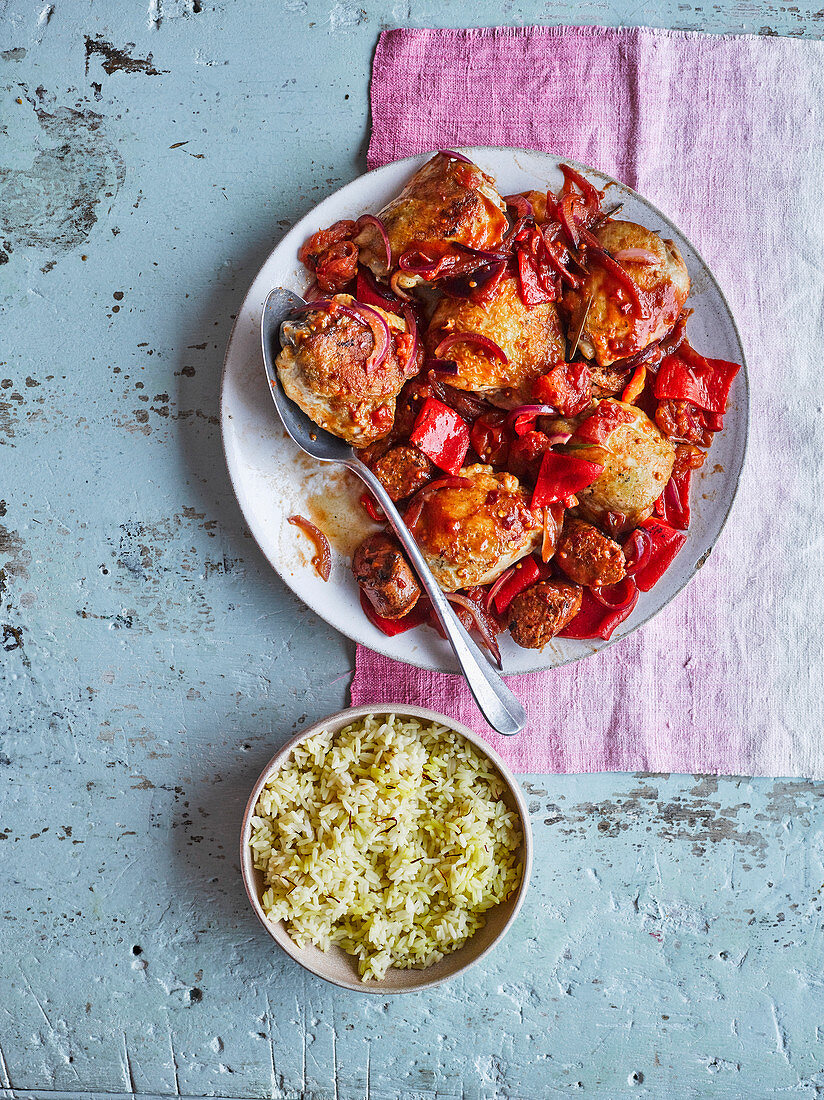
(471, 151)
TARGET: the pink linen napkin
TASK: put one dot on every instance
(725, 135)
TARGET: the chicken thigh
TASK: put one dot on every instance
(470, 534)
(637, 463)
(447, 201)
(615, 327)
(324, 366)
(531, 339)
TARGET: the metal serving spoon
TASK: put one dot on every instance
(497, 703)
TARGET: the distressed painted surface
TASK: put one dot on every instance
(151, 663)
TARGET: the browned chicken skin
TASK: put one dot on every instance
(469, 535)
(385, 576)
(446, 201)
(538, 613)
(531, 339)
(324, 367)
(615, 328)
(587, 556)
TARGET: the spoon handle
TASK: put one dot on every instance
(496, 702)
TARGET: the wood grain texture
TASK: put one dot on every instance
(151, 154)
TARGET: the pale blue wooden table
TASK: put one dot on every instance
(151, 152)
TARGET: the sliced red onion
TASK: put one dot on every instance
(485, 255)
(482, 622)
(558, 438)
(447, 368)
(372, 219)
(397, 288)
(639, 544)
(455, 156)
(521, 205)
(529, 412)
(313, 293)
(322, 560)
(616, 597)
(474, 285)
(459, 260)
(636, 256)
(514, 232)
(567, 220)
(498, 585)
(413, 512)
(412, 326)
(322, 305)
(557, 263)
(380, 331)
(489, 346)
(416, 262)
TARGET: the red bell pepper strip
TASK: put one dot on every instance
(598, 427)
(441, 434)
(596, 621)
(524, 573)
(372, 508)
(665, 544)
(635, 385)
(673, 505)
(620, 275)
(390, 627)
(592, 197)
(688, 376)
(530, 286)
(561, 476)
(557, 260)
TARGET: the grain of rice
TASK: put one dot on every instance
(389, 839)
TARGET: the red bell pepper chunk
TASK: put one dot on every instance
(673, 505)
(561, 476)
(606, 418)
(368, 292)
(566, 387)
(390, 627)
(596, 621)
(666, 542)
(525, 573)
(489, 439)
(688, 376)
(441, 434)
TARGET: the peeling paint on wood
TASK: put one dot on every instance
(150, 662)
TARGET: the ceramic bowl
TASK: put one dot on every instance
(335, 965)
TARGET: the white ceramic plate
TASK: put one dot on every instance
(273, 480)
